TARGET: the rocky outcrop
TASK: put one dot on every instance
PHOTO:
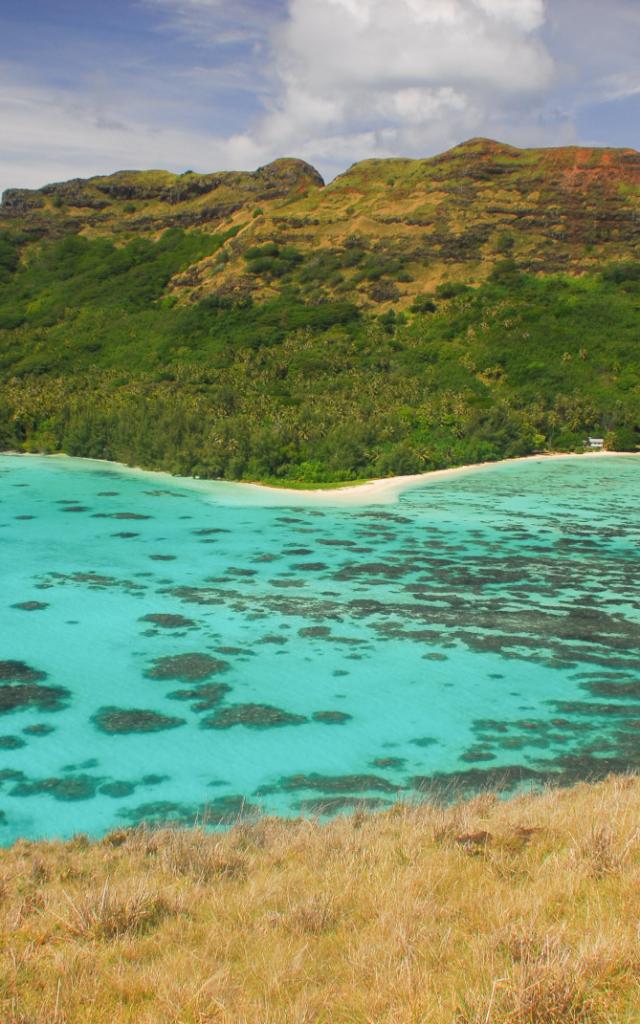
(278, 180)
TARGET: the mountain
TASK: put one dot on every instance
(449, 217)
(410, 314)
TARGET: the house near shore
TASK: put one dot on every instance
(596, 444)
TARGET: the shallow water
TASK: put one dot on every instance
(168, 653)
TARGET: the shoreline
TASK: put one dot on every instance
(396, 484)
(385, 490)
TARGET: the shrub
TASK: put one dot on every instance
(451, 289)
(505, 272)
(258, 252)
(400, 460)
(195, 854)
(620, 273)
(111, 915)
(262, 265)
(623, 439)
(384, 291)
(9, 257)
(505, 243)
(423, 304)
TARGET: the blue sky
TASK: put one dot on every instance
(94, 86)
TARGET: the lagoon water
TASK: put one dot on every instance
(175, 651)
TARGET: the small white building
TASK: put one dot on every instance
(596, 443)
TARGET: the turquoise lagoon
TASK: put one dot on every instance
(176, 651)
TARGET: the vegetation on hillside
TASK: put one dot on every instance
(98, 360)
(382, 233)
(395, 321)
(518, 912)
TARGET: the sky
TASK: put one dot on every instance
(93, 86)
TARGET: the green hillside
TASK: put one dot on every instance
(410, 315)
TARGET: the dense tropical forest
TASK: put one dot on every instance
(319, 364)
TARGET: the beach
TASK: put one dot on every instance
(384, 491)
(387, 490)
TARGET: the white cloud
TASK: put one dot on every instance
(528, 14)
(620, 86)
(56, 135)
(218, 22)
(410, 76)
(332, 81)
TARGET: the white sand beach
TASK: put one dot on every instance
(387, 490)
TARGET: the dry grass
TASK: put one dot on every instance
(490, 912)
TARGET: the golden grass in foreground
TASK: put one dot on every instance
(489, 912)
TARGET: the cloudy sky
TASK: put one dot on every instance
(92, 86)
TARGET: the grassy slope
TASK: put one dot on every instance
(524, 912)
(419, 222)
(452, 217)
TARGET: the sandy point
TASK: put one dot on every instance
(386, 491)
(389, 489)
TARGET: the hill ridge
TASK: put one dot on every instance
(452, 216)
(489, 145)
